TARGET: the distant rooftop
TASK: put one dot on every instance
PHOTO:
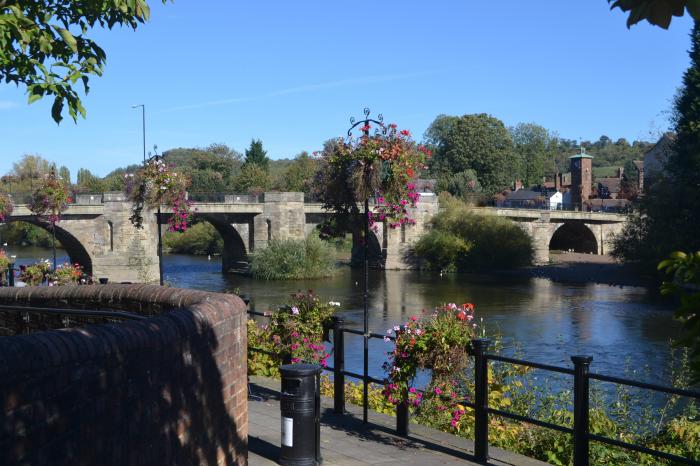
(582, 155)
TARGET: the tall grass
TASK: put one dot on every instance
(294, 260)
(462, 240)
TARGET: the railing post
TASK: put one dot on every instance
(581, 369)
(11, 274)
(481, 400)
(338, 366)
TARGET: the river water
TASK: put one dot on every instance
(538, 319)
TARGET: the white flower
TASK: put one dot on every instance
(295, 310)
(387, 339)
(396, 328)
(334, 303)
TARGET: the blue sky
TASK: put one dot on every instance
(292, 73)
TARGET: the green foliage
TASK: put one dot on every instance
(294, 259)
(253, 179)
(64, 174)
(461, 184)
(211, 169)
(656, 12)
(44, 45)
(462, 240)
(35, 274)
(684, 270)
(200, 239)
(26, 234)
(295, 331)
(89, 183)
(535, 149)
(256, 155)
(667, 218)
(442, 250)
(299, 175)
(478, 142)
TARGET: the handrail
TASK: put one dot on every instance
(73, 312)
(535, 365)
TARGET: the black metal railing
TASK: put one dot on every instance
(580, 431)
(581, 380)
(19, 320)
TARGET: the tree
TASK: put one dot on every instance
(299, 175)
(629, 185)
(44, 45)
(211, 169)
(64, 174)
(253, 179)
(256, 155)
(656, 12)
(478, 142)
(668, 216)
(88, 183)
(460, 184)
(535, 149)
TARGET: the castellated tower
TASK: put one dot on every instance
(581, 177)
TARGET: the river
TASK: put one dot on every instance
(537, 319)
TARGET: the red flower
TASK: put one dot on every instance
(410, 172)
(405, 132)
(462, 316)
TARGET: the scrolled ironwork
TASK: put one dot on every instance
(380, 128)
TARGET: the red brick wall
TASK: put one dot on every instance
(168, 390)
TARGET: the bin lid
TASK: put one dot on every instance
(296, 370)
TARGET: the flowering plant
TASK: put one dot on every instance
(50, 199)
(36, 274)
(295, 330)
(5, 206)
(157, 184)
(439, 342)
(4, 263)
(68, 274)
(380, 167)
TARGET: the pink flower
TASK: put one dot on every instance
(438, 391)
(454, 423)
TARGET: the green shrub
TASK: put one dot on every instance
(200, 238)
(294, 259)
(462, 240)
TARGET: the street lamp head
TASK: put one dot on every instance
(137, 105)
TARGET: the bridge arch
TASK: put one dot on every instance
(576, 236)
(74, 248)
(235, 250)
(375, 253)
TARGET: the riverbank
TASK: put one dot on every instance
(579, 268)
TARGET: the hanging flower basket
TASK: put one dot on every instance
(155, 185)
(5, 206)
(381, 167)
(50, 199)
(439, 342)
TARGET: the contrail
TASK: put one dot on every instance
(305, 88)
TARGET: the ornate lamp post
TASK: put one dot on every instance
(365, 128)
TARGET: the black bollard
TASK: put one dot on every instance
(300, 405)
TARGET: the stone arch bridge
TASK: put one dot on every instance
(97, 233)
(588, 232)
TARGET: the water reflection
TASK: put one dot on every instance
(549, 321)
